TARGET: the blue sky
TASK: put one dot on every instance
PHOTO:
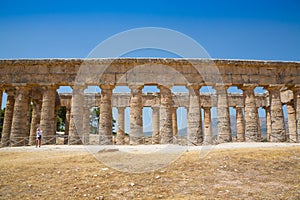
(233, 29)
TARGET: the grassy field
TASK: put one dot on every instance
(261, 173)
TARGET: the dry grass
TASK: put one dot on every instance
(266, 173)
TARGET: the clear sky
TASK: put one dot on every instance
(232, 29)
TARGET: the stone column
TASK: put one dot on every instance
(207, 126)
(194, 124)
(155, 125)
(136, 115)
(67, 125)
(105, 118)
(19, 121)
(120, 139)
(251, 114)
(174, 125)
(240, 125)
(269, 127)
(292, 136)
(278, 133)
(165, 115)
(224, 130)
(86, 125)
(1, 94)
(8, 116)
(76, 118)
(296, 91)
(35, 120)
(48, 115)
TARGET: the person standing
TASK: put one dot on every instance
(38, 140)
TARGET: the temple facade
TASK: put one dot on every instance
(35, 82)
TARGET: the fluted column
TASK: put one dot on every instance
(207, 126)
(76, 118)
(120, 139)
(269, 127)
(165, 115)
(20, 116)
(136, 115)
(292, 135)
(155, 125)
(86, 125)
(174, 125)
(240, 124)
(296, 91)
(67, 125)
(8, 116)
(194, 124)
(35, 120)
(278, 133)
(251, 114)
(224, 130)
(48, 115)
(105, 124)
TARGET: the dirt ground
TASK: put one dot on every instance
(248, 173)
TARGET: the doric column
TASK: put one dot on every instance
(155, 125)
(67, 125)
(1, 94)
(292, 135)
(120, 139)
(207, 126)
(8, 116)
(105, 124)
(251, 114)
(278, 133)
(269, 127)
(136, 115)
(240, 125)
(194, 124)
(86, 125)
(296, 91)
(35, 120)
(224, 130)
(76, 118)
(48, 115)
(20, 116)
(165, 115)
(174, 125)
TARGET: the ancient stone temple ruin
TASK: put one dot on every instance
(35, 82)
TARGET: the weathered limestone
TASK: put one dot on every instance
(292, 135)
(1, 94)
(278, 133)
(67, 125)
(296, 91)
(136, 115)
(155, 125)
(20, 115)
(224, 130)
(35, 120)
(240, 125)
(8, 116)
(165, 115)
(269, 126)
(194, 123)
(76, 118)
(86, 125)
(174, 125)
(120, 138)
(105, 121)
(48, 117)
(251, 114)
(207, 126)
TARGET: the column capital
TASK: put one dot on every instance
(107, 87)
(221, 87)
(121, 108)
(247, 87)
(10, 91)
(136, 88)
(193, 89)
(160, 87)
(78, 87)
